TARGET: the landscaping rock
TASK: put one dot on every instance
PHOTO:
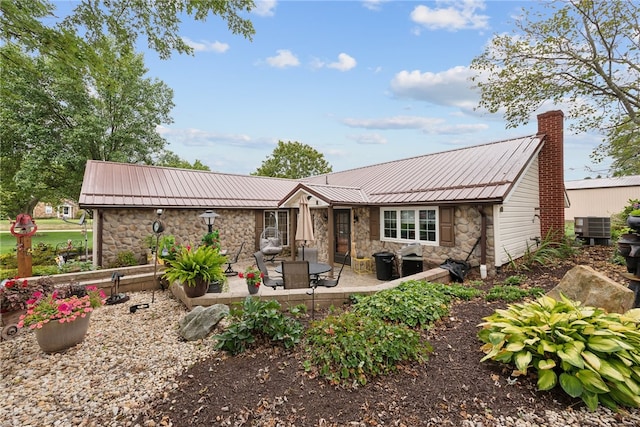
(200, 321)
(592, 288)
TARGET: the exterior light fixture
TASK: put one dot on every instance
(208, 217)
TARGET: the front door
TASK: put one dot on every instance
(342, 229)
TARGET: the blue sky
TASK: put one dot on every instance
(362, 82)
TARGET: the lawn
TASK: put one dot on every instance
(49, 237)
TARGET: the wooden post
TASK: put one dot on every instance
(24, 256)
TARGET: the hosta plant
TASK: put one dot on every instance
(591, 354)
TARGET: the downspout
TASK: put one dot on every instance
(99, 230)
(483, 243)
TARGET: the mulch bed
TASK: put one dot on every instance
(268, 386)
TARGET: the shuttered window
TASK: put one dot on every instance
(415, 224)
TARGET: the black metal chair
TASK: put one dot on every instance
(272, 282)
(230, 271)
(295, 274)
(328, 282)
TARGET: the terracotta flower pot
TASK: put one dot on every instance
(54, 336)
(198, 290)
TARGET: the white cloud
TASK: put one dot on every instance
(206, 46)
(428, 125)
(450, 88)
(283, 59)
(451, 15)
(265, 7)
(373, 4)
(345, 63)
(368, 139)
(199, 138)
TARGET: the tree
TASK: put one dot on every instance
(172, 160)
(126, 20)
(54, 121)
(586, 55)
(293, 160)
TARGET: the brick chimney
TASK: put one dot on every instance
(551, 174)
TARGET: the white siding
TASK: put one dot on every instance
(600, 202)
(516, 220)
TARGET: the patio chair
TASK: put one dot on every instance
(272, 282)
(230, 271)
(270, 243)
(295, 274)
(310, 254)
(328, 282)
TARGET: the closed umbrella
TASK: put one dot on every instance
(304, 231)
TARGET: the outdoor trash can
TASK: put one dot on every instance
(384, 265)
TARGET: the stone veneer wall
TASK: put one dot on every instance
(467, 232)
(126, 230)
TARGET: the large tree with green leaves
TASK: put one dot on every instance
(55, 119)
(581, 54)
(293, 160)
(22, 22)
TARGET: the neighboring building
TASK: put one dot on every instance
(67, 209)
(600, 197)
(490, 203)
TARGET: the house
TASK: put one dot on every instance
(611, 194)
(489, 203)
(67, 209)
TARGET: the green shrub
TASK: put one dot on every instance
(547, 252)
(414, 303)
(515, 280)
(349, 347)
(256, 320)
(124, 259)
(512, 293)
(590, 353)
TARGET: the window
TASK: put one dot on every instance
(279, 219)
(410, 224)
(48, 209)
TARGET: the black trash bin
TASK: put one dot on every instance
(384, 265)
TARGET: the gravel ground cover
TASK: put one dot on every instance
(133, 370)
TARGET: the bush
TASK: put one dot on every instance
(124, 259)
(590, 353)
(258, 320)
(413, 303)
(348, 347)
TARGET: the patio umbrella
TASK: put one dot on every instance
(304, 231)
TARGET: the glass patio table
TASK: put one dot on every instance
(315, 268)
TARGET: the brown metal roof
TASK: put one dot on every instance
(124, 184)
(479, 173)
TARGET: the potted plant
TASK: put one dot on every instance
(61, 319)
(14, 294)
(633, 218)
(195, 269)
(253, 276)
(211, 239)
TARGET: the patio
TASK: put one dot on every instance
(350, 283)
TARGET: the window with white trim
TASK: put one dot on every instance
(409, 224)
(280, 220)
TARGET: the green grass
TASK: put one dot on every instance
(8, 241)
(50, 224)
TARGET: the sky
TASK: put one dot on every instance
(362, 82)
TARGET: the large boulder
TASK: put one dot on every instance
(200, 321)
(583, 283)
